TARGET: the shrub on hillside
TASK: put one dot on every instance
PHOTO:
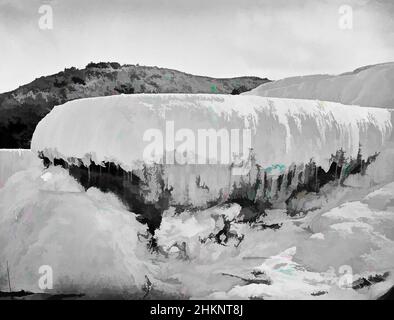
(104, 65)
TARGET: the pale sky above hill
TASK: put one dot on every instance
(222, 38)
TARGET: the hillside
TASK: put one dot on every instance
(371, 86)
(23, 108)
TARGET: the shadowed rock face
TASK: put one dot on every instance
(23, 108)
(146, 193)
(128, 186)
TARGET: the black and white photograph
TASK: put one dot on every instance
(206, 150)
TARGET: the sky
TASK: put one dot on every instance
(221, 38)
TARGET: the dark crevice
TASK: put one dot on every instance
(126, 185)
(314, 178)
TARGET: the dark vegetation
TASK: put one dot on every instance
(239, 90)
(17, 131)
(78, 80)
(103, 65)
(126, 89)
